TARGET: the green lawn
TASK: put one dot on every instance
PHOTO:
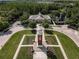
(69, 46)
(28, 40)
(48, 32)
(56, 53)
(9, 49)
(25, 53)
(51, 40)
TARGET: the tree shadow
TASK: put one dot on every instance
(34, 31)
(49, 31)
(51, 55)
(6, 33)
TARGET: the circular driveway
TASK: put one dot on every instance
(5, 37)
(73, 34)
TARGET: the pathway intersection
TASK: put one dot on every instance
(40, 51)
(73, 34)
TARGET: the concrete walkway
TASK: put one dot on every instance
(15, 28)
(62, 50)
(73, 34)
(39, 52)
(19, 47)
(39, 55)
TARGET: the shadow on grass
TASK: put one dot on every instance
(34, 31)
(51, 55)
(49, 31)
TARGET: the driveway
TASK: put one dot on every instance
(73, 34)
(5, 37)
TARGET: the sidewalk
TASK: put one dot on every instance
(39, 52)
(73, 34)
(4, 38)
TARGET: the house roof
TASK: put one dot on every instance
(39, 16)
